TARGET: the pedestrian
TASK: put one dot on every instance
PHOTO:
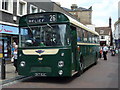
(15, 58)
(105, 51)
(101, 52)
(13, 49)
(112, 52)
(14, 55)
(116, 50)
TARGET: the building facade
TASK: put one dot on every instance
(105, 34)
(84, 15)
(11, 11)
(116, 34)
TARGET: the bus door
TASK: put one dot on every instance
(74, 47)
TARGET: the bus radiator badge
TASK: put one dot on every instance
(39, 51)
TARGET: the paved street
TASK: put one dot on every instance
(102, 75)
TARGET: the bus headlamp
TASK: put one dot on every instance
(22, 63)
(60, 64)
(20, 55)
(62, 54)
(60, 72)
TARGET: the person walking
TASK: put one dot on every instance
(101, 52)
(105, 51)
(15, 58)
(13, 49)
(14, 55)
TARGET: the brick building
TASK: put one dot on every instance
(116, 34)
(84, 15)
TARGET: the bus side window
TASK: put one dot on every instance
(98, 40)
(78, 37)
(95, 38)
(79, 34)
(85, 36)
(90, 38)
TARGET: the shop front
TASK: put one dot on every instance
(8, 35)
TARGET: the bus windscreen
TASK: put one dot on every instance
(44, 35)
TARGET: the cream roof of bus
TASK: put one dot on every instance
(75, 22)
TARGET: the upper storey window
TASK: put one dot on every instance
(6, 6)
(21, 7)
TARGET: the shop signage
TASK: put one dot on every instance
(8, 29)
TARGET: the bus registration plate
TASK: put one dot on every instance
(40, 74)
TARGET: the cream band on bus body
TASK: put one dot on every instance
(45, 51)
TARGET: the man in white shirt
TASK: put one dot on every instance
(105, 50)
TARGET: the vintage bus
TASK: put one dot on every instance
(55, 45)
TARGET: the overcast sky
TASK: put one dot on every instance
(102, 9)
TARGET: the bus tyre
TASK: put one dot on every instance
(81, 68)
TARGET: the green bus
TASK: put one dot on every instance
(52, 44)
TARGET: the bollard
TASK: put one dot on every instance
(3, 74)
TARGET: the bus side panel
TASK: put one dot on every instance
(89, 54)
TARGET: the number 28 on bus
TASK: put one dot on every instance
(56, 45)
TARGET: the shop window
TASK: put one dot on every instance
(21, 7)
(1, 52)
(6, 6)
(33, 9)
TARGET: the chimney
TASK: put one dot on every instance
(110, 23)
(111, 37)
(74, 6)
(90, 7)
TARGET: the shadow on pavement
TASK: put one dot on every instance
(59, 80)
